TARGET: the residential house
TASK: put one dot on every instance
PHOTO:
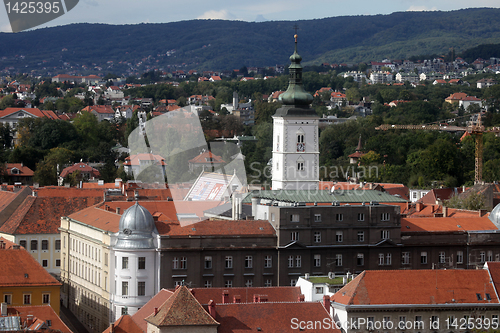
(102, 112)
(338, 99)
(358, 76)
(424, 300)
(206, 160)
(135, 164)
(18, 173)
(86, 172)
(485, 83)
(36, 318)
(380, 77)
(23, 281)
(12, 115)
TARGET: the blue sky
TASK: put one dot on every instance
(161, 11)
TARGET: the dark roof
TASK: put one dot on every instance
(246, 295)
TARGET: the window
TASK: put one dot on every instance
(380, 259)
(460, 257)
(248, 261)
(370, 321)
(402, 322)
(482, 256)
(293, 282)
(494, 320)
(319, 290)
(290, 261)
(124, 288)
(249, 283)
(183, 263)
(294, 236)
(27, 299)
(338, 260)
(268, 262)
(423, 257)
(141, 288)
(405, 258)
(45, 244)
(339, 236)
(34, 245)
(317, 236)
(268, 283)
(229, 262)
(361, 236)
(298, 261)
(124, 310)
(7, 298)
(45, 263)
(339, 217)
(300, 166)
(273, 217)
(317, 260)
(208, 262)
(125, 263)
(385, 217)
(490, 256)
(388, 259)
(141, 263)
(57, 244)
(361, 217)
(23, 243)
(384, 234)
(294, 218)
(175, 263)
(317, 217)
(419, 324)
(441, 257)
(208, 284)
(300, 138)
(45, 298)
(360, 259)
(228, 284)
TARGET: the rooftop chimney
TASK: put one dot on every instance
(419, 206)
(236, 299)
(326, 302)
(445, 211)
(118, 210)
(2, 245)
(301, 298)
(225, 296)
(211, 308)
(112, 328)
(156, 311)
(4, 309)
(482, 212)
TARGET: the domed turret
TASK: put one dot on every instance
(136, 229)
(495, 216)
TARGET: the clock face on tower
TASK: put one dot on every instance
(301, 147)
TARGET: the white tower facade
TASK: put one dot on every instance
(295, 136)
(135, 263)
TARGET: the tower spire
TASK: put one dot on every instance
(295, 94)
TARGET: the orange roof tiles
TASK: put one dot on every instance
(125, 324)
(8, 111)
(137, 158)
(181, 309)
(82, 167)
(207, 157)
(435, 224)
(241, 228)
(274, 294)
(419, 287)
(272, 317)
(41, 313)
(19, 268)
(23, 170)
(98, 218)
(149, 308)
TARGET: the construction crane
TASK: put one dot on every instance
(476, 129)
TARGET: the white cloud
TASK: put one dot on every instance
(420, 9)
(217, 15)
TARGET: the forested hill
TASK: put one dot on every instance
(217, 44)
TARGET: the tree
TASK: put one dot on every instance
(470, 201)
(48, 170)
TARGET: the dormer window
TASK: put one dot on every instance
(209, 159)
(15, 171)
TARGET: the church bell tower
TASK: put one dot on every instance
(295, 135)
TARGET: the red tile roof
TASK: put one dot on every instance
(98, 218)
(181, 309)
(272, 317)
(260, 228)
(82, 167)
(23, 170)
(125, 324)
(417, 287)
(435, 224)
(42, 215)
(6, 198)
(19, 268)
(41, 313)
(149, 308)
(274, 294)
(202, 158)
(456, 97)
(34, 111)
(136, 159)
(104, 109)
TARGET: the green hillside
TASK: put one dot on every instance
(217, 44)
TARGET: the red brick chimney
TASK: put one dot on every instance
(156, 311)
(419, 206)
(301, 298)
(225, 296)
(112, 328)
(326, 302)
(236, 299)
(211, 308)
